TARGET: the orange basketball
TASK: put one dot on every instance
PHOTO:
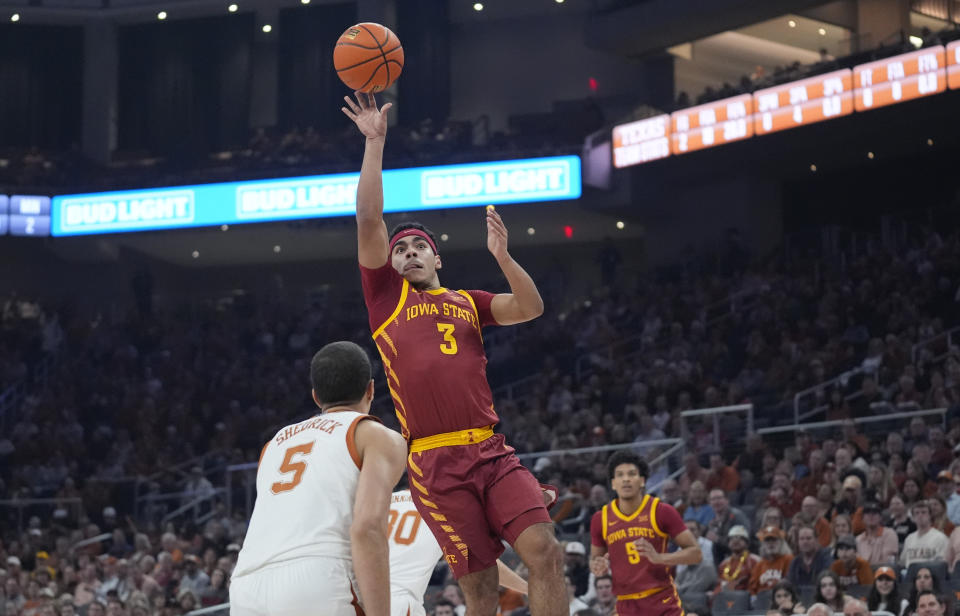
(368, 57)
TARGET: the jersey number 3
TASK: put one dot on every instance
(449, 346)
(289, 466)
(406, 533)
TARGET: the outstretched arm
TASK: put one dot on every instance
(383, 455)
(523, 303)
(372, 241)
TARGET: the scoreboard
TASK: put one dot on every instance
(920, 73)
(24, 215)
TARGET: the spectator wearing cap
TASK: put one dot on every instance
(774, 560)
(884, 595)
(42, 561)
(734, 572)
(193, 578)
(810, 560)
(109, 519)
(926, 543)
(948, 488)
(850, 568)
(725, 517)
(877, 544)
(850, 502)
(575, 557)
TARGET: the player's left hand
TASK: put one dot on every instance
(647, 550)
(496, 234)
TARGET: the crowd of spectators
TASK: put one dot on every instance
(136, 395)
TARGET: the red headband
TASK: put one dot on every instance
(408, 232)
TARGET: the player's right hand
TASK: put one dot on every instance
(371, 121)
(600, 565)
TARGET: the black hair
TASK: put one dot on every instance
(627, 457)
(340, 373)
(913, 597)
(874, 598)
(787, 586)
(414, 225)
(841, 587)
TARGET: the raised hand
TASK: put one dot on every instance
(371, 121)
(496, 234)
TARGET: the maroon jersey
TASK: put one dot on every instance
(654, 521)
(432, 352)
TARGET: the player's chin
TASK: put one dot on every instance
(416, 276)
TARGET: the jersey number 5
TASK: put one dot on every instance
(449, 346)
(400, 537)
(633, 554)
(289, 466)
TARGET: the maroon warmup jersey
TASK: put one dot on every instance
(633, 575)
(432, 352)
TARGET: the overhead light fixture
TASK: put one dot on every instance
(224, 227)
(478, 6)
(822, 31)
(162, 15)
(304, 1)
(531, 230)
(930, 142)
(444, 237)
(15, 17)
(792, 23)
(276, 249)
(916, 41)
(620, 224)
(232, 8)
(195, 254)
(267, 28)
(870, 155)
(559, 1)
(813, 168)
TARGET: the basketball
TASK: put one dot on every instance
(368, 57)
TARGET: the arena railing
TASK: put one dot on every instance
(714, 413)
(870, 419)
(223, 608)
(842, 380)
(950, 336)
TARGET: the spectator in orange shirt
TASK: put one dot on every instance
(721, 475)
(734, 572)
(877, 544)
(850, 568)
(774, 563)
(810, 516)
(850, 502)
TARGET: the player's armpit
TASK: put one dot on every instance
(383, 456)
(510, 578)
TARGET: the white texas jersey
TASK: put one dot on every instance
(413, 551)
(306, 484)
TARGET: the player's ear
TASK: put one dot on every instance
(437, 262)
(313, 394)
(371, 390)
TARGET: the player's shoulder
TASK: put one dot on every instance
(369, 431)
(597, 516)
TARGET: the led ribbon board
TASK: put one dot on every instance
(423, 188)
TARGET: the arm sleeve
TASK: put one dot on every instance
(596, 530)
(482, 300)
(669, 520)
(381, 292)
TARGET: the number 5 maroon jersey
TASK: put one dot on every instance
(654, 521)
(432, 351)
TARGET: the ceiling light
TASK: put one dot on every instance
(478, 7)
(444, 237)
(916, 41)
(224, 227)
(870, 155)
(304, 1)
(792, 23)
(15, 17)
(559, 1)
(232, 8)
(929, 141)
(162, 15)
(822, 31)
(620, 224)
(267, 28)
(195, 254)
(531, 230)
(276, 248)
(813, 168)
